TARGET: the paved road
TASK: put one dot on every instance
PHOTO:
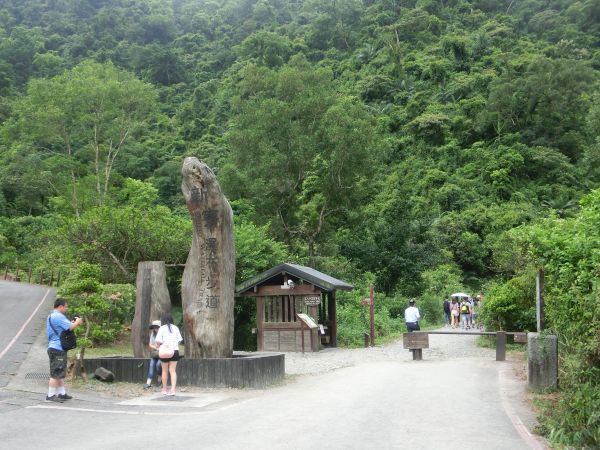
(22, 310)
(385, 405)
(441, 403)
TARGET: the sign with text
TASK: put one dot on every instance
(312, 300)
(416, 339)
(307, 320)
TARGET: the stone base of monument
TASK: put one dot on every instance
(243, 370)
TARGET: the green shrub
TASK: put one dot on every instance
(510, 305)
(353, 319)
(105, 308)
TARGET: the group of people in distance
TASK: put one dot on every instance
(462, 312)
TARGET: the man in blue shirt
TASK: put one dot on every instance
(56, 323)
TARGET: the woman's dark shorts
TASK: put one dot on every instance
(58, 363)
(175, 357)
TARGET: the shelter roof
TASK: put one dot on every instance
(306, 274)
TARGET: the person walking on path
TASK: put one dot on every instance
(154, 362)
(454, 313)
(169, 336)
(57, 323)
(465, 311)
(446, 312)
(412, 316)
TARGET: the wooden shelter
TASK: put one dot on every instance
(288, 296)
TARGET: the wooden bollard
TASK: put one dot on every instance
(51, 278)
(41, 277)
(29, 275)
(17, 274)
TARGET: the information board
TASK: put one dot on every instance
(307, 320)
(416, 339)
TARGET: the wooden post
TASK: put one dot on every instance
(17, 274)
(29, 275)
(372, 316)
(539, 300)
(332, 319)
(6, 273)
(51, 278)
(260, 320)
(41, 276)
(302, 334)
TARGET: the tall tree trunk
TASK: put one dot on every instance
(208, 282)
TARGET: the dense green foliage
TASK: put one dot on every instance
(105, 308)
(421, 145)
(568, 251)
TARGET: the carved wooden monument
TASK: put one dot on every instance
(208, 283)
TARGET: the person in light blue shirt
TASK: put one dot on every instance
(56, 323)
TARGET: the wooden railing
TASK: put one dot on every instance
(41, 276)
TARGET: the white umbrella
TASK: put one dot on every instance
(460, 294)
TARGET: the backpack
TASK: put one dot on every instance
(68, 340)
(464, 308)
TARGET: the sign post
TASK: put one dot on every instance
(372, 316)
(539, 300)
(306, 321)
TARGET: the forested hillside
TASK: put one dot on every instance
(417, 144)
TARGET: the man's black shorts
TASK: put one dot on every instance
(58, 363)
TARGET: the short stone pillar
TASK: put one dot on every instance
(542, 361)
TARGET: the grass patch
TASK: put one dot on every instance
(490, 342)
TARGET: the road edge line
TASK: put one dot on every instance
(14, 339)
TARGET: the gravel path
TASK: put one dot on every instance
(441, 347)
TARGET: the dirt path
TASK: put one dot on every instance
(441, 347)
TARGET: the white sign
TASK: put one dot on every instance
(312, 300)
(307, 320)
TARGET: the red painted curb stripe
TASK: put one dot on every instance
(7, 348)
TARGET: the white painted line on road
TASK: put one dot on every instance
(7, 348)
(116, 411)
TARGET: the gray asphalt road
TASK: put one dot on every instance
(455, 404)
(22, 310)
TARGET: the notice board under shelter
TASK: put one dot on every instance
(285, 295)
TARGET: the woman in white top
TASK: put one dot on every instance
(169, 336)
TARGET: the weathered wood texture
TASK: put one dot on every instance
(248, 371)
(152, 301)
(290, 340)
(415, 340)
(208, 283)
